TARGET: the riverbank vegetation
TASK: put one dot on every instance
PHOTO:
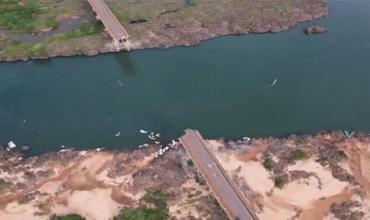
(68, 217)
(154, 208)
(150, 24)
(20, 17)
(15, 48)
(28, 16)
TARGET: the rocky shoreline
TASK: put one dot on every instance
(167, 35)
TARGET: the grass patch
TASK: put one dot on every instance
(156, 209)
(68, 217)
(84, 30)
(51, 22)
(17, 49)
(19, 17)
(87, 29)
(8, 1)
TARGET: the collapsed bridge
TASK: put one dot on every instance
(112, 25)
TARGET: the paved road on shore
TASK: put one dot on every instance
(215, 176)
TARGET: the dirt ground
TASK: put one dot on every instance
(325, 176)
(97, 185)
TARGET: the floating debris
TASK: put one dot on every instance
(82, 153)
(120, 83)
(143, 145)
(25, 148)
(174, 143)
(273, 83)
(118, 134)
(143, 132)
(11, 145)
(151, 136)
(348, 134)
(247, 139)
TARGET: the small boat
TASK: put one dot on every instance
(83, 153)
(11, 145)
(118, 134)
(143, 132)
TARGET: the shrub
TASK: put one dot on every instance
(19, 17)
(51, 22)
(297, 155)
(68, 217)
(159, 211)
(279, 182)
(37, 50)
(86, 29)
(268, 163)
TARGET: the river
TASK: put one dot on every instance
(223, 87)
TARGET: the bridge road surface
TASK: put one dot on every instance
(111, 23)
(214, 175)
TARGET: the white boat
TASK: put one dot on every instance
(11, 145)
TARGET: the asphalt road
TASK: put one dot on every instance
(215, 177)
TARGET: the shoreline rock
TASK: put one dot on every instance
(314, 29)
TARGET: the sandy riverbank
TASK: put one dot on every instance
(320, 177)
(325, 176)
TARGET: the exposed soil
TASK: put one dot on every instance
(325, 176)
(97, 185)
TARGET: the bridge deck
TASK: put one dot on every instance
(226, 193)
(111, 23)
